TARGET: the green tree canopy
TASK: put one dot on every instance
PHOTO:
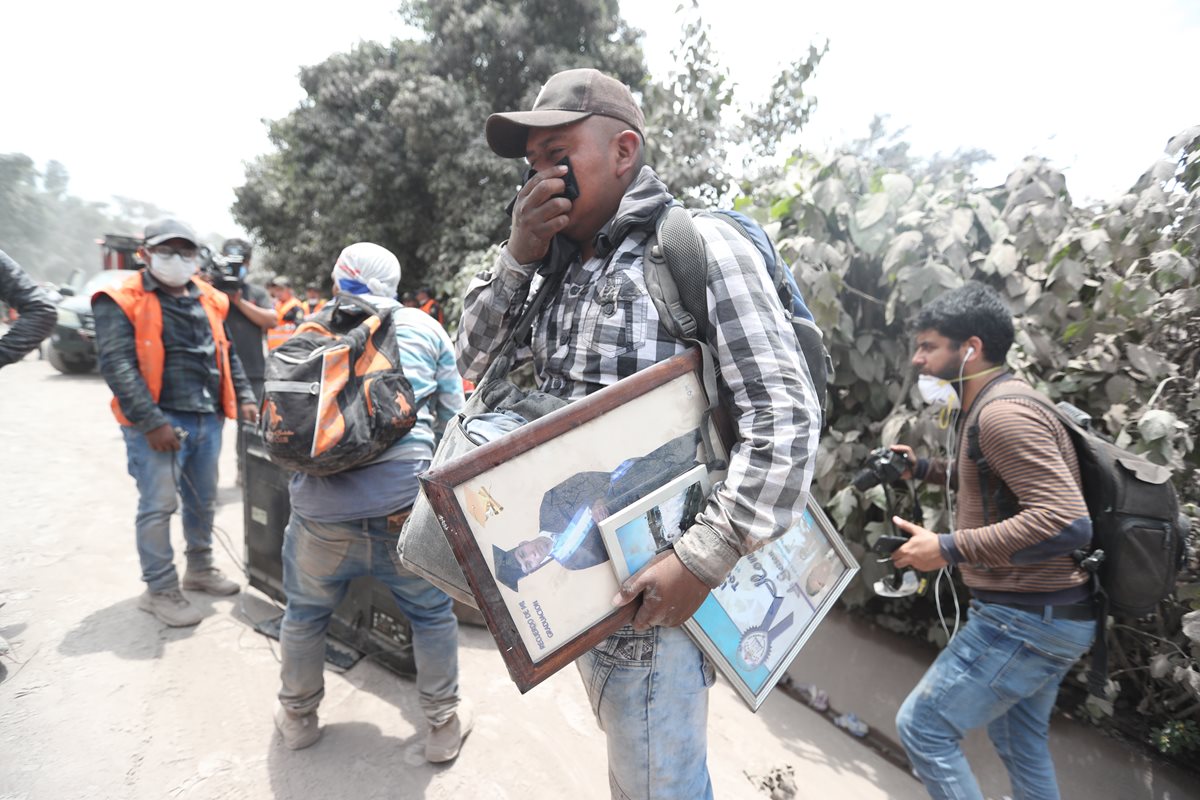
(388, 144)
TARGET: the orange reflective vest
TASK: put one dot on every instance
(282, 330)
(313, 306)
(433, 309)
(145, 312)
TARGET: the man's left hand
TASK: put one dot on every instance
(670, 592)
(250, 412)
(922, 552)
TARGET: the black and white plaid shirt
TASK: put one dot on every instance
(602, 326)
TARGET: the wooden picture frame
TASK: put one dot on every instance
(499, 504)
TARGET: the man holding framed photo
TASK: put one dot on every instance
(600, 325)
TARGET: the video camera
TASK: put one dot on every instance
(225, 275)
(883, 465)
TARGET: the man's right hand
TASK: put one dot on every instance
(910, 455)
(163, 439)
(538, 215)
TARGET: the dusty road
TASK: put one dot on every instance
(99, 700)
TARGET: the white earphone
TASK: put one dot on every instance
(970, 352)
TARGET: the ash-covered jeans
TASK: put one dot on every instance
(649, 691)
(162, 478)
(319, 561)
(1002, 670)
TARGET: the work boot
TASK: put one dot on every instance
(298, 730)
(209, 581)
(445, 740)
(171, 608)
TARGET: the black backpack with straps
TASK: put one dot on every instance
(1138, 533)
(676, 269)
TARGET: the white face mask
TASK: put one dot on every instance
(174, 271)
(936, 391)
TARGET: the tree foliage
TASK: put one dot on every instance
(1107, 310)
(388, 145)
(49, 232)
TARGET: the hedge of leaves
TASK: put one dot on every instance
(1106, 306)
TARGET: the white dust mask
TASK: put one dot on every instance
(937, 391)
(174, 270)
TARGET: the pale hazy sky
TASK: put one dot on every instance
(163, 102)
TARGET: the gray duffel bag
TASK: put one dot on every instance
(423, 546)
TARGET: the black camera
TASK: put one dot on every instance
(225, 274)
(883, 465)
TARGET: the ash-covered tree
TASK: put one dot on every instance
(388, 143)
(47, 230)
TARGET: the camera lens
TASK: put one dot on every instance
(865, 479)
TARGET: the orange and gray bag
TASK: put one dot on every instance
(334, 394)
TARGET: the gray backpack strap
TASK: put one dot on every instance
(680, 294)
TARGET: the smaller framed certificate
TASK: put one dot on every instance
(754, 623)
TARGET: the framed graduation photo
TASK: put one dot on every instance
(522, 512)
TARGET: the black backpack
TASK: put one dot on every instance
(1139, 536)
(679, 292)
(334, 394)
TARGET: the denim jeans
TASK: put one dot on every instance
(161, 479)
(649, 691)
(319, 561)
(1002, 670)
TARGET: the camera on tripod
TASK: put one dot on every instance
(883, 465)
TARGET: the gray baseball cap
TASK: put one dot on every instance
(567, 97)
(166, 229)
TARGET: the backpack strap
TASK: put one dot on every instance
(521, 333)
(1089, 560)
(682, 299)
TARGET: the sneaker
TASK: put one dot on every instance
(444, 741)
(209, 581)
(171, 608)
(298, 731)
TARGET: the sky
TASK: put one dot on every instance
(166, 102)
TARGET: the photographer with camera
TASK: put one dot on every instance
(1015, 528)
(251, 311)
(251, 315)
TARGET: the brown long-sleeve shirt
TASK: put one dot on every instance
(1025, 558)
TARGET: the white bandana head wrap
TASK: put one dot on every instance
(366, 268)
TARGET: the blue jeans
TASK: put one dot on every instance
(319, 561)
(161, 479)
(649, 691)
(1002, 670)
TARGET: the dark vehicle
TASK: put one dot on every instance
(71, 348)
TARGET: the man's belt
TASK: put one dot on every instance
(395, 522)
(1080, 612)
